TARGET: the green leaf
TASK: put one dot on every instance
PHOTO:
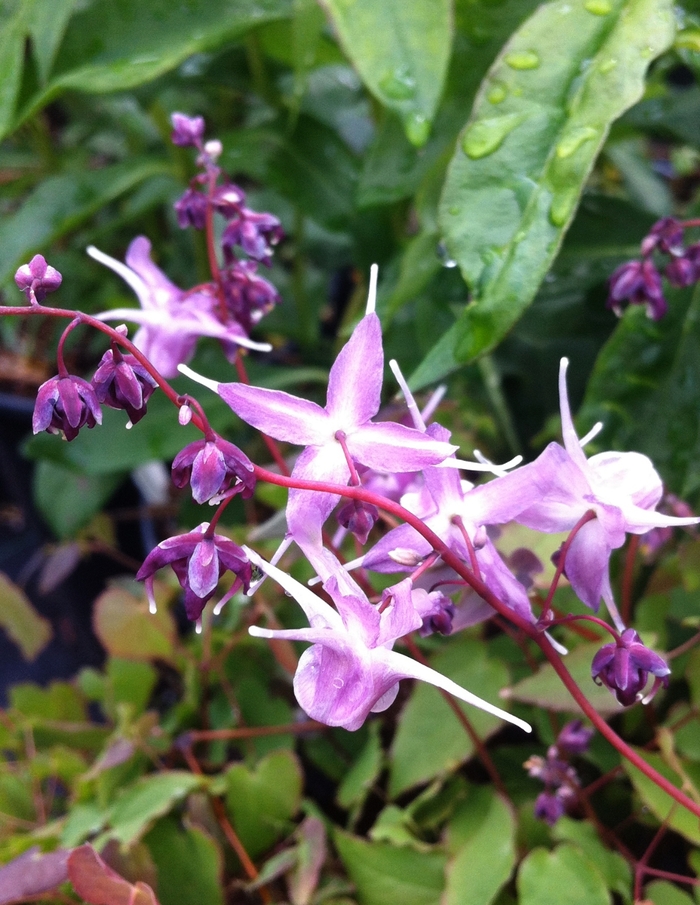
(645, 387)
(659, 802)
(545, 689)
(139, 805)
(68, 500)
(47, 25)
(661, 892)
(60, 204)
(30, 631)
(562, 877)
(363, 773)
(11, 58)
(262, 803)
(538, 123)
(481, 832)
(385, 875)
(60, 701)
(615, 870)
(404, 68)
(189, 865)
(126, 629)
(430, 740)
(116, 46)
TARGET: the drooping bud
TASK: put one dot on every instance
(65, 404)
(666, 235)
(191, 209)
(187, 130)
(358, 517)
(212, 467)
(639, 282)
(255, 233)
(121, 382)
(574, 738)
(37, 278)
(624, 667)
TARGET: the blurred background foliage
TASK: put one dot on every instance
(497, 159)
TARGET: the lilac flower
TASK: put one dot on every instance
(37, 278)
(187, 130)
(640, 283)
(550, 806)
(255, 233)
(199, 559)
(666, 235)
(211, 466)
(191, 209)
(574, 738)
(624, 667)
(248, 296)
(65, 404)
(684, 270)
(121, 382)
(354, 391)
(351, 670)
(171, 320)
(622, 489)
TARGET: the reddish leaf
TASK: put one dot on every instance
(98, 884)
(31, 874)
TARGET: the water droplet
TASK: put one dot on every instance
(598, 7)
(523, 59)
(574, 138)
(647, 52)
(417, 129)
(486, 135)
(398, 84)
(497, 93)
(562, 206)
(607, 65)
(444, 255)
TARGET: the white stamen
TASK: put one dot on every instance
(184, 416)
(372, 296)
(559, 648)
(482, 465)
(258, 632)
(404, 556)
(219, 607)
(251, 344)
(434, 401)
(418, 422)
(152, 608)
(593, 432)
(126, 273)
(129, 425)
(193, 375)
(198, 626)
(277, 556)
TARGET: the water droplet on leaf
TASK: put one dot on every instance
(598, 7)
(523, 59)
(398, 85)
(572, 140)
(562, 206)
(486, 135)
(443, 254)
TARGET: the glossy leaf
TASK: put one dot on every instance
(126, 628)
(30, 631)
(385, 875)
(564, 876)
(538, 123)
(139, 805)
(405, 69)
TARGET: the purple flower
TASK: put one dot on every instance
(211, 466)
(37, 278)
(666, 235)
(199, 559)
(358, 517)
(624, 666)
(351, 670)
(187, 130)
(640, 283)
(65, 404)
(550, 806)
(574, 738)
(255, 233)
(229, 199)
(171, 320)
(683, 271)
(248, 296)
(121, 382)
(622, 489)
(191, 209)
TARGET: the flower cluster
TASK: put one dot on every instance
(559, 777)
(171, 320)
(639, 282)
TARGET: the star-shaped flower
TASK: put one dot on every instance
(351, 670)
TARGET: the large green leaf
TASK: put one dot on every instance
(660, 803)
(539, 121)
(68, 500)
(562, 877)
(140, 804)
(645, 387)
(118, 45)
(189, 864)
(401, 49)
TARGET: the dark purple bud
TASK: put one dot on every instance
(255, 233)
(37, 277)
(359, 518)
(248, 296)
(624, 667)
(199, 560)
(122, 383)
(212, 467)
(549, 807)
(574, 738)
(228, 200)
(666, 235)
(191, 209)
(639, 282)
(65, 404)
(187, 130)
(681, 273)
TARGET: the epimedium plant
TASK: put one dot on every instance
(193, 782)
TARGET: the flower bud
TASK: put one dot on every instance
(624, 666)
(121, 382)
(212, 467)
(187, 130)
(359, 518)
(37, 277)
(65, 404)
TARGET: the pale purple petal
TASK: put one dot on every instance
(138, 259)
(629, 476)
(355, 380)
(278, 414)
(564, 492)
(203, 568)
(404, 543)
(394, 448)
(400, 617)
(587, 563)
(499, 579)
(571, 441)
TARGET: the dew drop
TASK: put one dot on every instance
(398, 84)
(572, 140)
(647, 52)
(417, 129)
(497, 93)
(562, 206)
(444, 256)
(486, 135)
(607, 65)
(523, 59)
(598, 7)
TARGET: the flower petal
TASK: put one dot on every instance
(279, 415)
(355, 380)
(394, 448)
